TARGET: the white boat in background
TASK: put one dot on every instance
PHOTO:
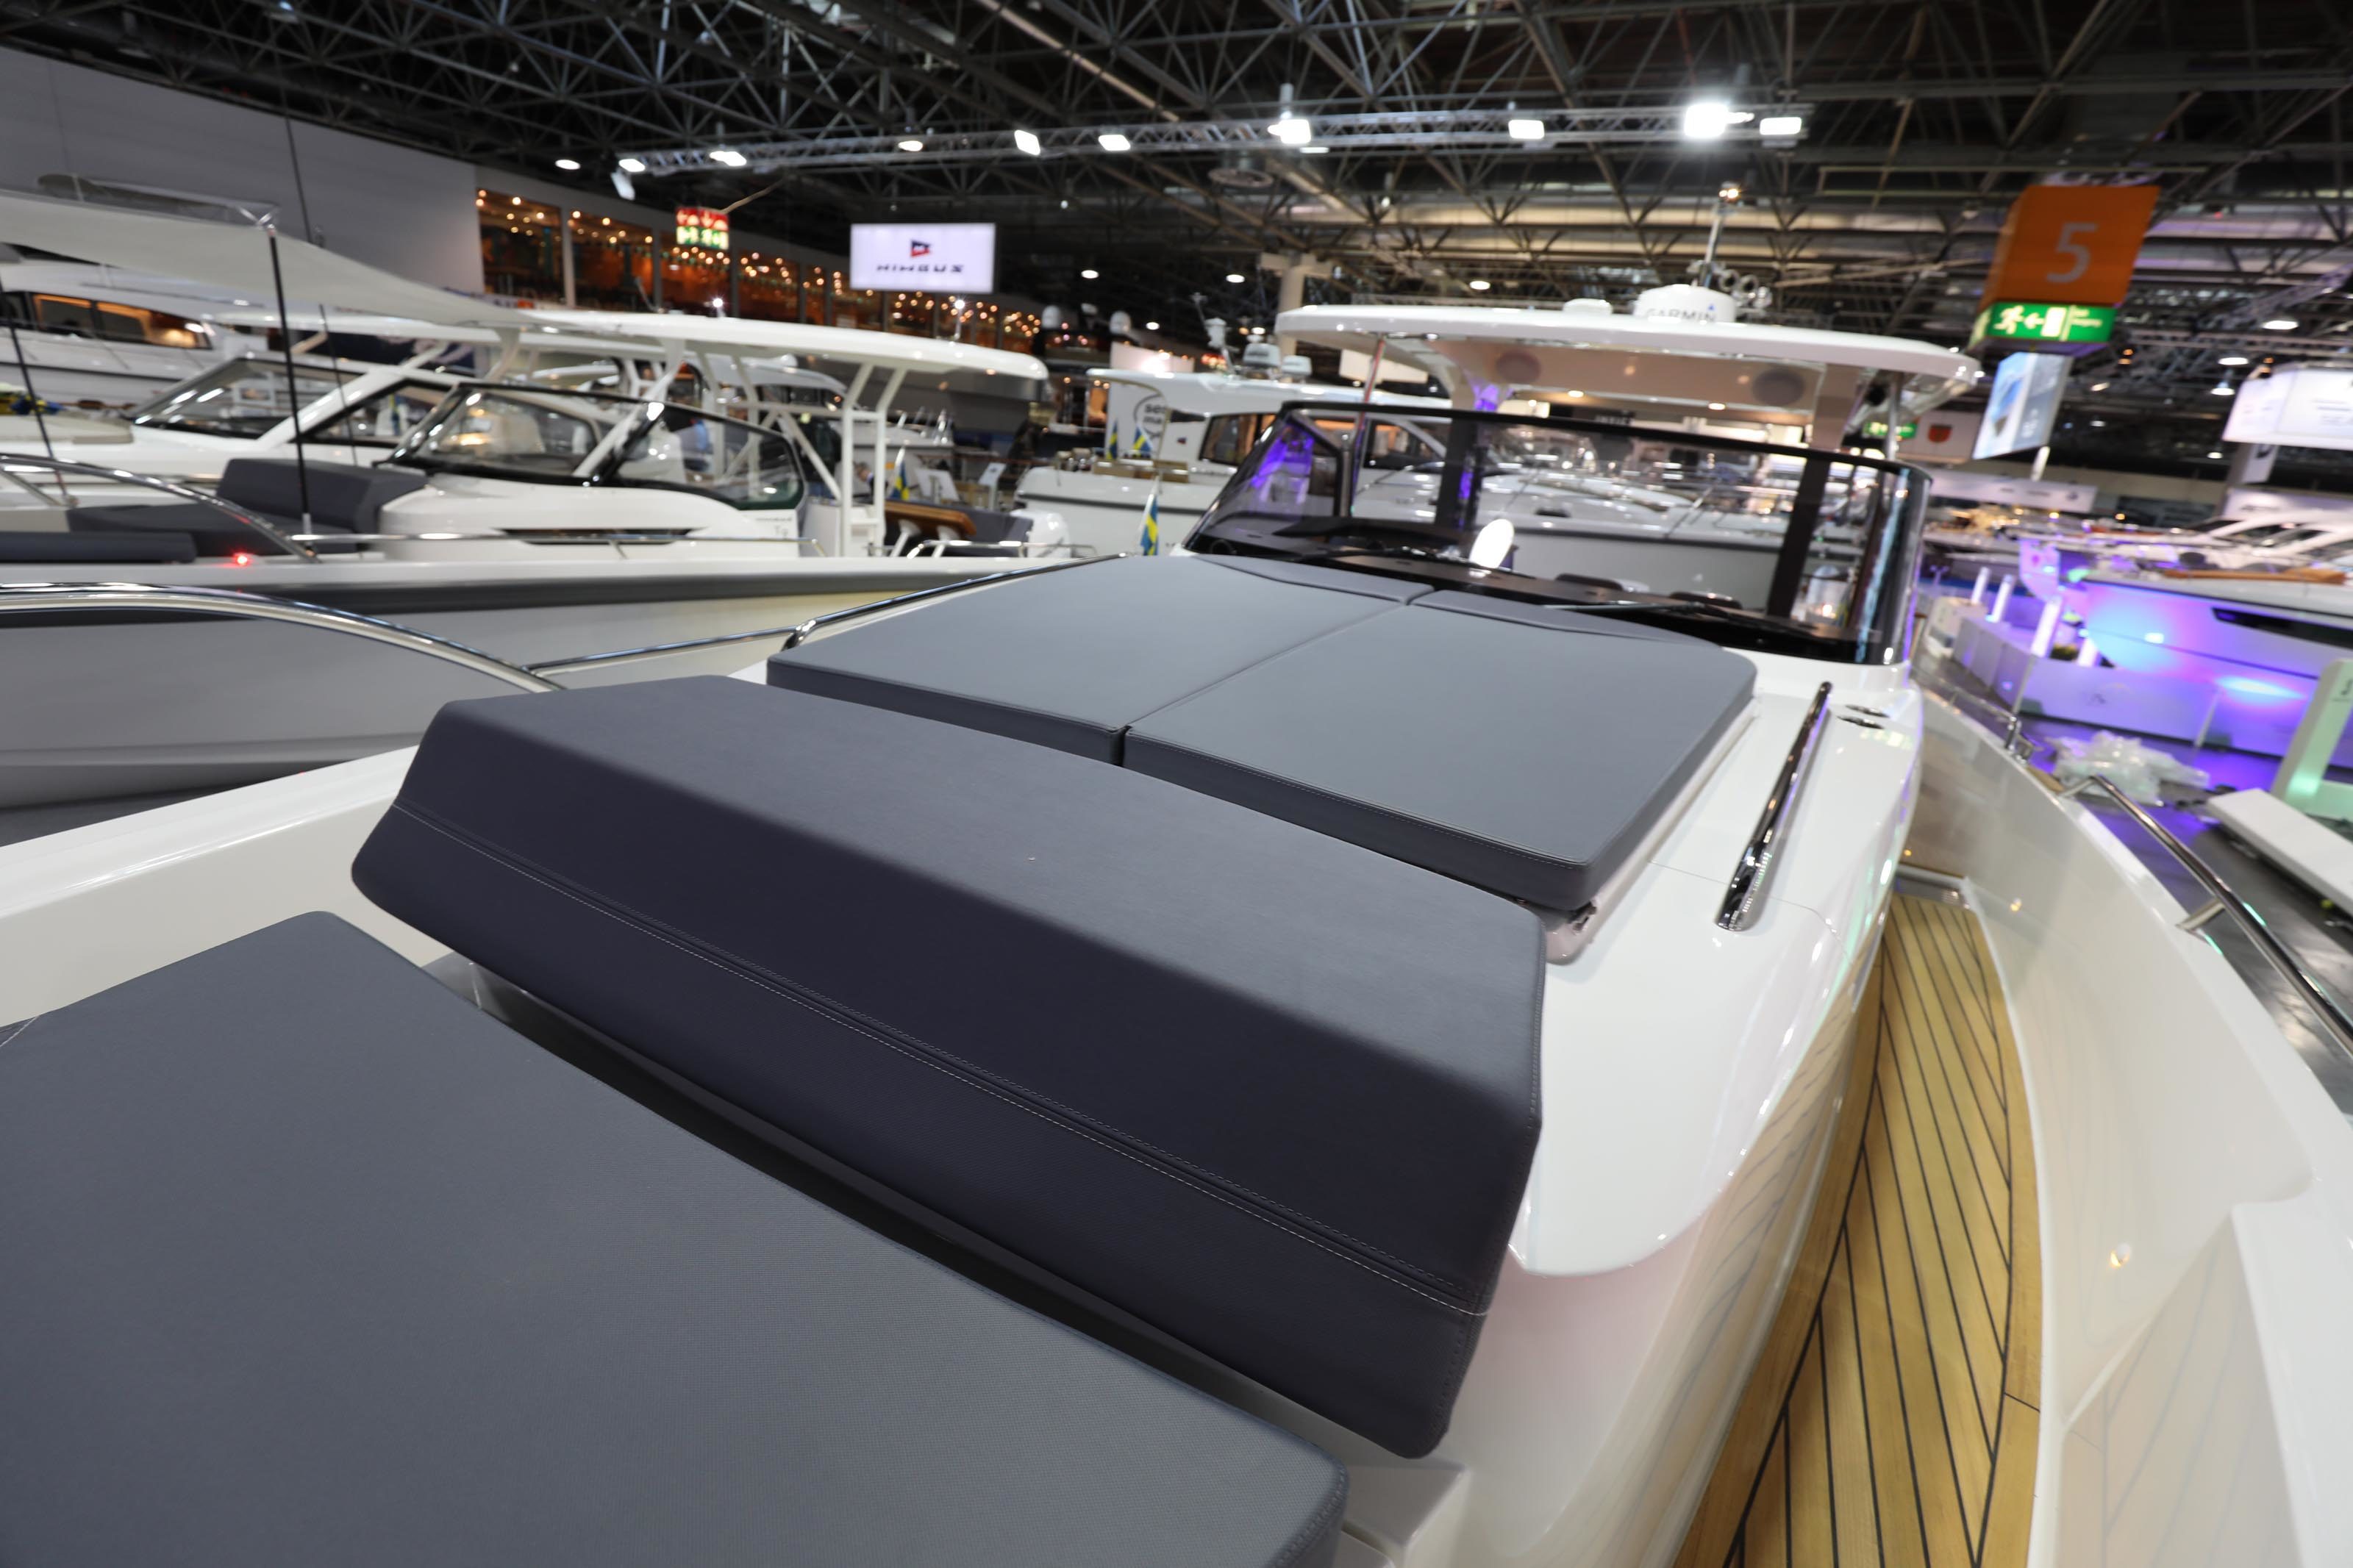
(1517, 1146)
(1174, 435)
(1679, 496)
(95, 336)
(533, 521)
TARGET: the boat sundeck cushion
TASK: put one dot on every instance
(1069, 659)
(54, 545)
(1528, 759)
(343, 495)
(308, 1262)
(1269, 1094)
(1524, 750)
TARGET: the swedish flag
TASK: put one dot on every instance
(902, 483)
(1142, 448)
(1149, 542)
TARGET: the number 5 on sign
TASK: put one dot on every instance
(2074, 245)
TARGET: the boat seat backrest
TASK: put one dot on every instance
(343, 496)
(1271, 1095)
(309, 1261)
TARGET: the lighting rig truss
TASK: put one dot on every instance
(1457, 128)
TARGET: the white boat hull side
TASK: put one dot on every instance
(1105, 511)
(2196, 1199)
(92, 711)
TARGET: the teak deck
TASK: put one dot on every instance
(1891, 1416)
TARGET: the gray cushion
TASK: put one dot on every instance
(1528, 760)
(1268, 1093)
(1306, 575)
(1069, 659)
(309, 1262)
(343, 495)
(145, 545)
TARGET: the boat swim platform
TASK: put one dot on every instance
(1891, 1416)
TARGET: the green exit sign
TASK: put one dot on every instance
(1877, 429)
(2023, 324)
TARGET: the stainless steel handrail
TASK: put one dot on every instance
(1745, 893)
(802, 633)
(290, 543)
(26, 597)
(2222, 899)
(554, 536)
(794, 636)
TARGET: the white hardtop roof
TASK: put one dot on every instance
(1360, 327)
(740, 335)
(1220, 391)
(235, 256)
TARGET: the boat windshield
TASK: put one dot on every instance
(581, 438)
(242, 397)
(1777, 548)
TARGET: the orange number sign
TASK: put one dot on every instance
(2070, 245)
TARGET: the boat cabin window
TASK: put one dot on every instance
(527, 434)
(748, 468)
(103, 318)
(384, 417)
(1231, 436)
(240, 397)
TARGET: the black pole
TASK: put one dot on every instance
(293, 393)
(32, 394)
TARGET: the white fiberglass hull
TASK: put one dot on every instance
(97, 705)
(1105, 512)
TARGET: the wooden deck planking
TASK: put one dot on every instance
(1892, 1417)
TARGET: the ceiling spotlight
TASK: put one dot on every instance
(729, 156)
(2099, 424)
(912, 144)
(1728, 192)
(1480, 285)
(2231, 359)
(1707, 118)
(2279, 324)
(633, 165)
(1715, 408)
(1291, 130)
(1315, 150)
(2099, 386)
(569, 166)
(1027, 141)
(1234, 277)
(2223, 389)
(1151, 326)
(1089, 273)
(1776, 126)
(2213, 454)
(1113, 141)
(1525, 129)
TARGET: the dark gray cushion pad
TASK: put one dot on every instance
(1521, 758)
(309, 1262)
(1069, 659)
(343, 495)
(145, 546)
(213, 531)
(1268, 1093)
(1559, 617)
(1306, 575)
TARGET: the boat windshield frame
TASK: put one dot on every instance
(601, 464)
(155, 412)
(1874, 627)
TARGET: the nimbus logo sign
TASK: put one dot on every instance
(960, 257)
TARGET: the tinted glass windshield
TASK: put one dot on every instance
(526, 432)
(520, 434)
(1772, 547)
(240, 397)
